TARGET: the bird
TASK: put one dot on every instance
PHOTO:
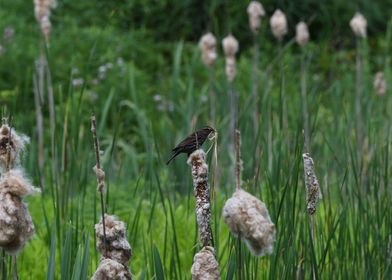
(191, 143)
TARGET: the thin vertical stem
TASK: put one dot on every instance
(15, 268)
(212, 94)
(3, 265)
(305, 115)
(238, 164)
(255, 83)
(100, 179)
(39, 122)
(358, 89)
(239, 267)
(312, 240)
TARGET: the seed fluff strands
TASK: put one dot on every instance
(207, 45)
(302, 34)
(278, 24)
(358, 25)
(380, 84)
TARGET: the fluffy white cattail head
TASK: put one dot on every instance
(10, 149)
(109, 269)
(278, 24)
(379, 83)
(256, 12)
(16, 226)
(205, 265)
(230, 45)
(42, 14)
(207, 45)
(313, 192)
(117, 247)
(302, 34)
(248, 218)
(359, 24)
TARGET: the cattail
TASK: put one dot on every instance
(202, 194)
(359, 24)
(205, 265)
(114, 248)
(16, 225)
(248, 218)
(278, 24)
(10, 149)
(230, 45)
(379, 83)
(207, 45)
(42, 14)
(256, 12)
(313, 192)
(302, 34)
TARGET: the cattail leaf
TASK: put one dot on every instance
(52, 256)
(159, 274)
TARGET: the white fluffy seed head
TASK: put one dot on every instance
(358, 25)
(313, 192)
(248, 218)
(205, 265)
(207, 45)
(256, 12)
(11, 149)
(278, 24)
(16, 226)
(230, 45)
(302, 34)
(110, 269)
(379, 83)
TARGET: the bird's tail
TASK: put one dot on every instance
(171, 158)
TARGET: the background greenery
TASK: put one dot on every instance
(154, 93)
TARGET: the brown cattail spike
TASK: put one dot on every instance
(202, 194)
(313, 193)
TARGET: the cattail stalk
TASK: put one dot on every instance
(202, 194)
(100, 174)
(255, 83)
(358, 94)
(305, 115)
(238, 162)
(212, 95)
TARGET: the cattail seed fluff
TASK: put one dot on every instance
(379, 83)
(202, 194)
(230, 47)
(207, 45)
(116, 252)
(302, 34)
(248, 218)
(16, 225)
(42, 14)
(358, 25)
(205, 265)
(255, 12)
(16, 145)
(278, 24)
(313, 192)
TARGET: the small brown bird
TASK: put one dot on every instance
(192, 142)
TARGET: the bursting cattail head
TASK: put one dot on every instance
(230, 45)
(207, 45)
(278, 24)
(10, 148)
(42, 14)
(256, 12)
(109, 269)
(16, 226)
(379, 83)
(205, 265)
(248, 218)
(358, 25)
(117, 247)
(302, 34)
(313, 192)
